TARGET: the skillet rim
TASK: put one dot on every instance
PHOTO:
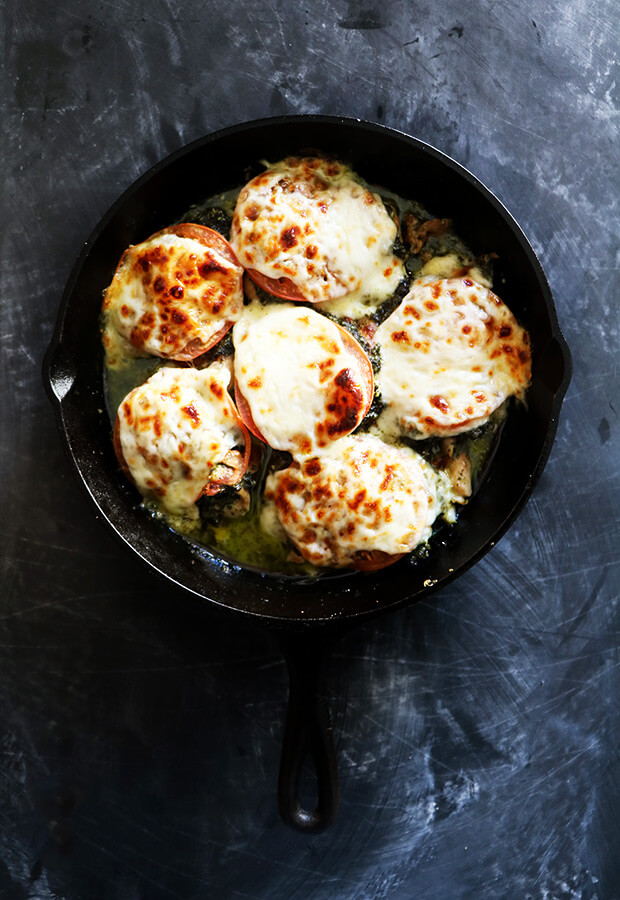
(59, 374)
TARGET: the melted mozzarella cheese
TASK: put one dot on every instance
(310, 221)
(173, 297)
(358, 495)
(174, 430)
(450, 265)
(303, 385)
(451, 353)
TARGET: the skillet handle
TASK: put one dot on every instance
(308, 734)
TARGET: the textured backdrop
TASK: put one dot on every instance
(477, 733)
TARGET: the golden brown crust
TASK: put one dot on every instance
(168, 326)
(229, 472)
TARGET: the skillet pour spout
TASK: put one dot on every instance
(305, 614)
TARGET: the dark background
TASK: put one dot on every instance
(476, 732)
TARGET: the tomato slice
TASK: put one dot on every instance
(204, 235)
(366, 383)
(230, 471)
(245, 414)
(373, 560)
(213, 240)
(196, 347)
(279, 287)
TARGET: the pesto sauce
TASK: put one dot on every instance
(124, 377)
(241, 539)
(480, 444)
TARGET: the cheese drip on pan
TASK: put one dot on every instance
(358, 496)
(451, 353)
(175, 431)
(311, 222)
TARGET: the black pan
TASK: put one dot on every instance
(306, 614)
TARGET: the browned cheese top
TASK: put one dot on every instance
(174, 297)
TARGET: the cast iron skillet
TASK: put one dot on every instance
(306, 614)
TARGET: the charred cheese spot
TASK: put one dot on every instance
(411, 311)
(427, 381)
(345, 405)
(359, 495)
(311, 209)
(192, 414)
(288, 238)
(400, 337)
(325, 368)
(312, 467)
(173, 431)
(439, 403)
(173, 297)
(355, 503)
